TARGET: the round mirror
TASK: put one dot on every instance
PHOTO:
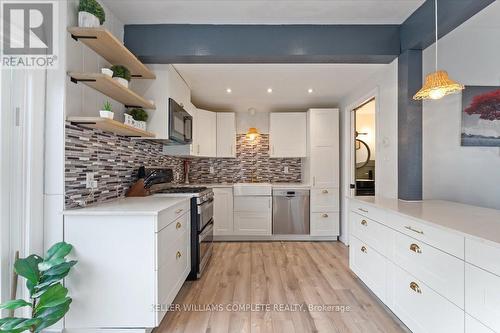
(362, 153)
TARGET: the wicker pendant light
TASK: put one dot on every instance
(437, 84)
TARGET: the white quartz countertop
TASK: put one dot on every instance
(138, 206)
(274, 185)
(478, 222)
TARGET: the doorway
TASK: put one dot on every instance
(364, 148)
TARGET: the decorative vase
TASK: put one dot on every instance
(129, 120)
(106, 114)
(88, 20)
(121, 81)
(141, 124)
(107, 72)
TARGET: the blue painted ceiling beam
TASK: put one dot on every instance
(418, 32)
(181, 43)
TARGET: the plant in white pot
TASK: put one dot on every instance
(107, 111)
(90, 14)
(121, 74)
(139, 116)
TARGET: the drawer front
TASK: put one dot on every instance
(483, 254)
(325, 200)
(422, 309)
(172, 271)
(369, 266)
(374, 234)
(367, 210)
(252, 223)
(252, 204)
(440, 271)
(169, 235)
(474, 326)
(173, 213)
(325, 224)
(441, 239)
(482, 296)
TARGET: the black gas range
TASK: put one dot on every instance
(202, 212)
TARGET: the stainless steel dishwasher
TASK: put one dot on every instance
(290, 211)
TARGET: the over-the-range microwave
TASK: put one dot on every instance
(180, 124)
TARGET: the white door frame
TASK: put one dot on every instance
(349, 137)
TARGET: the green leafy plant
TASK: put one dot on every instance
(49, 299)
(138, 114)
(92, 7)
(121, 71)
(107, 106)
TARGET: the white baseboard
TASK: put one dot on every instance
(106, 330)
(293, 238)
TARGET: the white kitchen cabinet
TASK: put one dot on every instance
(131, 259)
(206, 133)
(223, 211)
(324, 127)
(324, 167)
(288, 134)
(325, 224)
(226, 134)
(252, 215)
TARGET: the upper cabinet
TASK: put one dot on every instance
(288, 134)
(206, 133)
(226, 134)
(324, 127)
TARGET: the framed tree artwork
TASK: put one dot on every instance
(481, 116)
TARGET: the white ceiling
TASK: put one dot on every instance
(289, 82)
(263, 11)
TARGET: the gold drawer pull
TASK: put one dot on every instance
(363, 249)
(178, 225)
(363, 210)
(363, 222)
(325, 191)
(414, 286)
(325, 215)
(414, 230)
(415, 248)
(178, 255)
(179, 211)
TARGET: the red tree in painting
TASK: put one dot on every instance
(487, 105)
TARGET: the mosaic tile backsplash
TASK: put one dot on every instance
(252, 159)
(114, 160)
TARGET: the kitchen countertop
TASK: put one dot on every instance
(478, 222)
(138, 206)
(274, 185)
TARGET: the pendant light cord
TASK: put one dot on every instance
(436, 29)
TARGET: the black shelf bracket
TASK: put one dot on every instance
(133, 106)
(82, 37)
(81, 80)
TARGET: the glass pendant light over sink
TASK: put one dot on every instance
(437, 84)
(252, 133)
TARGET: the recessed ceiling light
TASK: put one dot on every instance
(228, 90)
(269, 90)
(310, 90)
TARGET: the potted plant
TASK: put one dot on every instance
(106, 111)
(90, 14)
(139, 117)
(48, 298)
(107, 71)
(121, 74)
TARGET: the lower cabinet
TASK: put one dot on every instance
(223, 211)
(325, 224)
(252, 215)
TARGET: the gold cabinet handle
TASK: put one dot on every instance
(179, 211)
(363, 249)
(414, 230)
(178, 225)
(363, 210)
(325, 215)
(325, 191)
(178, 255)
(415, 248)
(363, 222)
(414, 286)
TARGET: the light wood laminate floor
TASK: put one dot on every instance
(278, 273)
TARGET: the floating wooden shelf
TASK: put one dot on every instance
(110, 125)
(112, 49)
(111, 88)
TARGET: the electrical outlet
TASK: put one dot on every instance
(211, 170)
(286, 170)
(90, 181)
